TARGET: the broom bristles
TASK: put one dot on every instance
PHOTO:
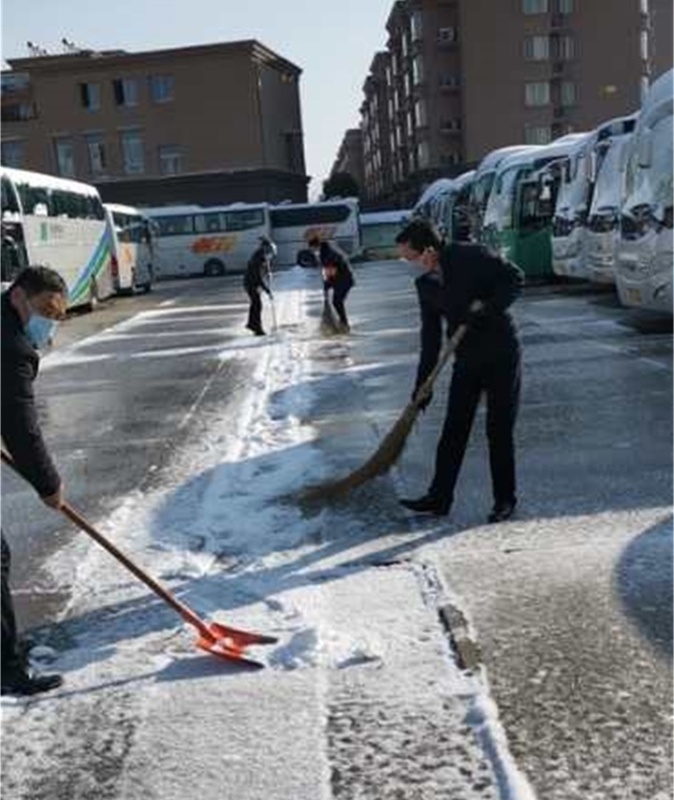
(394, 442)
(379, 463)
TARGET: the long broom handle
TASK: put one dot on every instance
(427, 386)
(67, 510)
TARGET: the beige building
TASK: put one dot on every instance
(205, 124)
(463, 77)
(350, 157)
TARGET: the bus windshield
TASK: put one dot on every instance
(653, 184)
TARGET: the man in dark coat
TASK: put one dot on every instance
(337, 276)
(255, 279)
(487, 359)
(30, 308)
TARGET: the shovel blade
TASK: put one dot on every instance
(222, 649)
(236, 638)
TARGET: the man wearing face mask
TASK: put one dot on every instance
(466, 283)
(30, 310)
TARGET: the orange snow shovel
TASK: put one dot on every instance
(220, 640)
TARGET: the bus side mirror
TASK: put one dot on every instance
(645, 149)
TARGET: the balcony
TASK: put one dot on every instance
(18, 112)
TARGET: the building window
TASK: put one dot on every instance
(417, 70)
(644, 45)
(537, 94)
(170, 159)
(408, 85)
(12, 153)
(565, 6)
(90, 96)
(405, 47)
(644, 6)
(161, 88)
(96, 152)
(535, 6)
(448, 81)
(568, 93)
(446, 35)
(420, 113)
(450, 158)
(423, 155)
(563, 48)
(132, 152)
(410, 124)
(537, 48)
(417, 25)
(126, 92)
(450, 124)
(64, 154)
(18, 112)
(537, 134)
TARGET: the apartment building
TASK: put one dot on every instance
(463, 77)
(204, 124)
(350, 156)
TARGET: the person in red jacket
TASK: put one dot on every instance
(337, 276)
(30, 309)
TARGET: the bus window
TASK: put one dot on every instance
(243, 220)
(180, 224)
(209, 223)
(10, 201)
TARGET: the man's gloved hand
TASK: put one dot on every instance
(476, 314)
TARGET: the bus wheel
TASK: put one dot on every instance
(305, 258)
(214, 267)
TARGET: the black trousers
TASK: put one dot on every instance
(255, 310)
(10, 659)
(500, 380)
(339, 293)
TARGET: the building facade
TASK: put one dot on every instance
(207, 124)
(463, 77)
(350, 157)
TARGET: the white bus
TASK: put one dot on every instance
(132, 248)
(57, 223)
(206, 240)
(293, 225)
(603, 222)
(646, 250)
(576, 188)
(379, 230)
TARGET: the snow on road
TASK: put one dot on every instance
(361, 696)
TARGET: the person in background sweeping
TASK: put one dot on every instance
(256, 279)
(30, 308)
(488, 359)
(337, 276)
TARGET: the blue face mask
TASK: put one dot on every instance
(40, 330)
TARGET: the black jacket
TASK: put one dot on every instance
(468, 272)
(256, 271)
(20, 427)
(332, 257)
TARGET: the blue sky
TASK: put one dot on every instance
(333, 41)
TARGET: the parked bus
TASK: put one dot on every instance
(211, 241)
(293, 225)
(378, 233)
(644, 266)
(450, 208)
(58, 223)
(581, 167)
(509, 228)
(483, 180)
(132, 248)
(603, 223)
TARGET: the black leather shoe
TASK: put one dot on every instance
(502, 511)
(428, 504)
(24, 683)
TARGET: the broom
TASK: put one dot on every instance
(392, 446)
(328, 322)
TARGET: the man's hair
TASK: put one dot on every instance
(314, 241)
(419, 234)
(34, 280)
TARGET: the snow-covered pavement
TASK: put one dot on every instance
(364, 695)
